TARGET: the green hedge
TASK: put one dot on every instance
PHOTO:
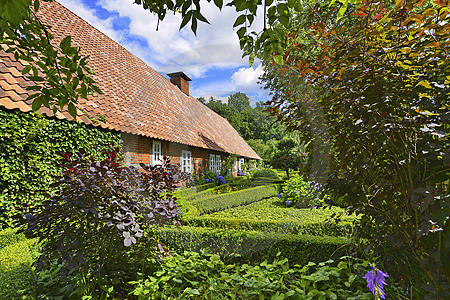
(220, 202)
(185, 193)
(16, 274)
(254, 246)
(207, 186)
(9, 237)
(279, 226)
(28, 161)
(266, 181)
(268, 173)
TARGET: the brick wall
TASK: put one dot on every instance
(138, 149)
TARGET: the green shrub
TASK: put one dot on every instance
(220, 202)
(202, 276)
(269, 173)
(16, 274)
(270, 209)
(254, 246)
(9, 237)
(204, 187)
(265, 181)
(299, 193)
(28, 161)
(279, 226)
(185, 193)
(92, 226)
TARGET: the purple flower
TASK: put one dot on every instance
(288, 202)
(314, 206)
(207, 180)
(376, 280)
(279, 196)
(212, 180)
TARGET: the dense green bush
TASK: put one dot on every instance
(28, 160)
(270, 209)
(265, 181)
(204, 187)
(269, 173)
(195, 276)
(10, 236)
(16, 273)
(280, 226)
(223, 201)
(91, 225)
(299, 193)
(254, 246)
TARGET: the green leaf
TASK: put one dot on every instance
(278, 59)
(342, 265)
(342, 10)
(284, 20)
(65, 44)
(186, 19)
(72, 110)
(192, 291)
(251, 59)
(240, 20)
(218, 3)
(37, 103)
(36, 5)
(26, 69)
(194, 26)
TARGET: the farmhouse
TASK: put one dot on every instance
(156, 116)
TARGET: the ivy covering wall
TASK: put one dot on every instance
(28, 156)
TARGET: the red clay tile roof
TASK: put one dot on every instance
(136, 98)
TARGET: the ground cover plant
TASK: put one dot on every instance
(200, 276)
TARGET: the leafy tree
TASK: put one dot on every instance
(61, 73)
(240, 101)
(288, 156)
(377, 82)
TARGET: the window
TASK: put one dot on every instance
(156, 157)
(241, 162)
(218, 163)
(212, 162)
(186, 161)
(127, 154)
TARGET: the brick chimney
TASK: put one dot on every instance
(181, 81)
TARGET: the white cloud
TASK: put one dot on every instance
(247, 78)
(105, 26)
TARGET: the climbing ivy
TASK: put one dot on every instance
(28, 161)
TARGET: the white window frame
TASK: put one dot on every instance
(156, 153)
(186, 161)
(212, 162)
(218, 163)
(241, 162)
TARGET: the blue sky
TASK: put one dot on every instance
(212, 59)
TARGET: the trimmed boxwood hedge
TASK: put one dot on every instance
(279, 226)
(9, 237)
(16, 274)
(254, 246)
(220, 202)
